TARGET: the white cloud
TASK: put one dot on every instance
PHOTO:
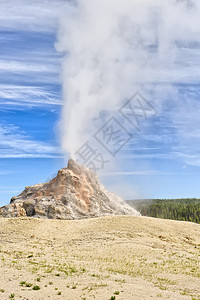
(14, 143)
(30, 156)
(138, 172)
(33, 23)
(25, 67)
(21, 95)
(2, 173)
(29, 69)
(32, 15)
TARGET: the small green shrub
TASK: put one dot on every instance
(36, 288)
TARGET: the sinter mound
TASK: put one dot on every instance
(75, 193)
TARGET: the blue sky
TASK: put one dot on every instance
(30, 97)
(159, 162)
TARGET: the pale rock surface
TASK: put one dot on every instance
(75, 193)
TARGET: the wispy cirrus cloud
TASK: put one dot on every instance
(22, 66)
(30, 71)
(19, 95)
(33, 15)
(16, 143)
(143, 173)
(2, 173)
(138, 172)
(28, 59)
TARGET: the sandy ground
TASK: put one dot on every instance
(117, 257)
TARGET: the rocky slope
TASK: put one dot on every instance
(75, 193)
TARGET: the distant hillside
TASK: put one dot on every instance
(176, 209)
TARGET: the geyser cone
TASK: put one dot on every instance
(74, 193)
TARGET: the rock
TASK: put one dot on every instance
(75, 193)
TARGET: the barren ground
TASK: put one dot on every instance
(123, 257)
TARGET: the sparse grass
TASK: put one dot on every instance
(72, 270)
(116, 293)
(96, 275)
(27, 284)
(83, 264)
(120, 280)
(83, 270)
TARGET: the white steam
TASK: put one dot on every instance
(113, 48)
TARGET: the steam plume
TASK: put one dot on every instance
(113, 48)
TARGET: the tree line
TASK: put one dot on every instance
(176, 209)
